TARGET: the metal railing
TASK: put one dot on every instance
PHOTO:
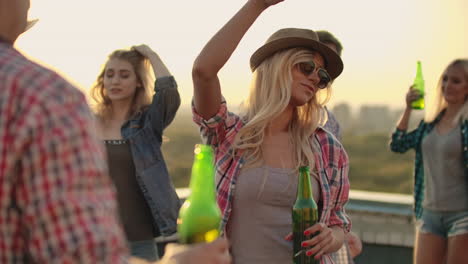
(385, 224)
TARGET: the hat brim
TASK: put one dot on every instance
(333, 62)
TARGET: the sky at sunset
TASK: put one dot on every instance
(382, 39)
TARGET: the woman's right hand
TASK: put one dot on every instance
(216, 252)
(267, 3)
(412, 95)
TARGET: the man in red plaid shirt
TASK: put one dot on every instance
(57, 203)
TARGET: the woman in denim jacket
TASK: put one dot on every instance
(441, 169)
(131, 125)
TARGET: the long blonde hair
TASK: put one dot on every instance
(439, 101)
(143, 93)
(270, 94)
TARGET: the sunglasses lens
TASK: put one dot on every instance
(307, 67)
(324, 78)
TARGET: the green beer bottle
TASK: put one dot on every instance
(199, 216)
(304, 215)
(418, 84)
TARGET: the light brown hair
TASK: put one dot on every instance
(142, 97)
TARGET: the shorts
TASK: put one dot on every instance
(444, 224)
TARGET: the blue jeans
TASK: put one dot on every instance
(145, 249)
(444, 224)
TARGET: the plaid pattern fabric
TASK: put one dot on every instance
(342, 256)
(331, 163)
(402, 141)
(57, 203)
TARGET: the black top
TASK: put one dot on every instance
(134, 212)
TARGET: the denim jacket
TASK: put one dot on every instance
(402, 141)
(144, 133)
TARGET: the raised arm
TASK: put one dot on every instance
(400, 140)
(412, 95)
(159, 68)
(166, 100)
(207, 92)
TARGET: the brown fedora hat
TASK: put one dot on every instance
(288, 38)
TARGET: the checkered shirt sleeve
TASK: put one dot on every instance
(402, 141)
(57, 203)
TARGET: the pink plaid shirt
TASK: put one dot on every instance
(332, 165)
(57, 203)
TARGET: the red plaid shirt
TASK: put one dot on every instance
(331, 163)
(57, 203)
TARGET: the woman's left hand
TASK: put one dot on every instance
(321, 243)
(144, 50)
(159, 68)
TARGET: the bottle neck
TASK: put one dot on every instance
(304, 188)
(202, 184)
(419, 70)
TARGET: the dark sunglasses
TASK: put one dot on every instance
(309, 67)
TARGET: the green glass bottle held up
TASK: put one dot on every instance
(199, 216)
(304, 215)
(418, 84)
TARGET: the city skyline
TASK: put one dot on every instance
(382, 40)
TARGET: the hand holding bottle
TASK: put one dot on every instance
(411, 96)
(320, 244)
(305, 216)
(215, 252)
(200, 216)
(418, 84)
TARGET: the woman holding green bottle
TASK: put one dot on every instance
(441, 169)
(258, 153)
